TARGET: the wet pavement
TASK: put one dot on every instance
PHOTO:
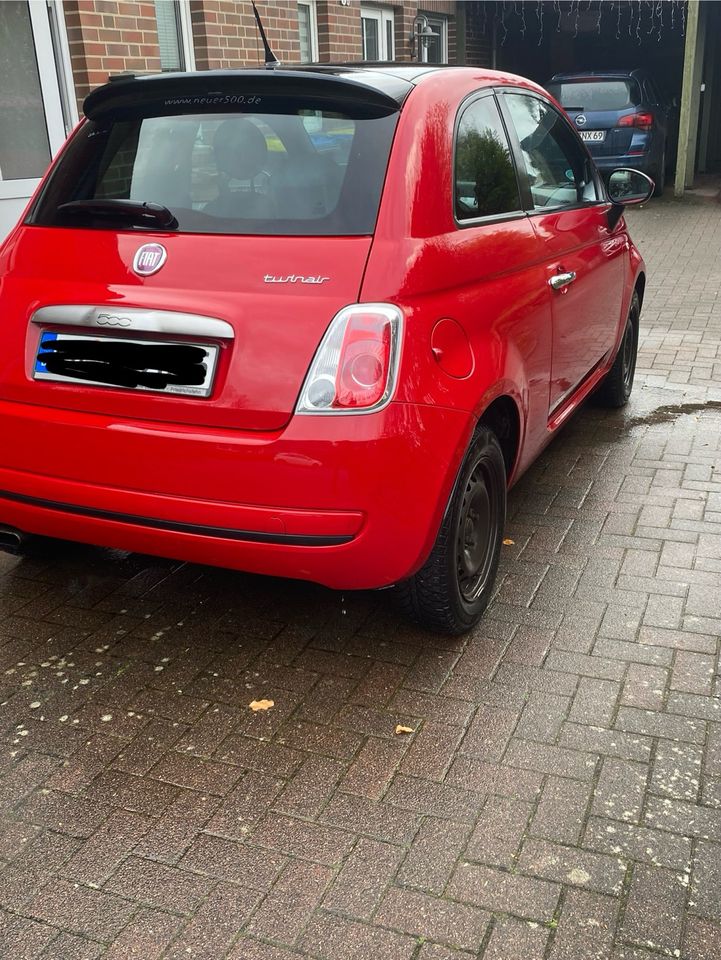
(559, 796)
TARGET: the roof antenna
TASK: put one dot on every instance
(271, 61)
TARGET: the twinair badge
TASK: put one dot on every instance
(293, 278)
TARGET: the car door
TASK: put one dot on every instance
(583, 259)
(504, 305)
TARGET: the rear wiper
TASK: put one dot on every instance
(143, 214)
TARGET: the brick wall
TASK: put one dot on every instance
(339, 32)
(479, 34)
(403, 16)
(110, 37)
(225, 33)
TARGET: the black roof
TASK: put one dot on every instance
(406, 71)
(381, 87)
(636, 73)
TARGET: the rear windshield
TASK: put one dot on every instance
(307, 172)
(588, 95)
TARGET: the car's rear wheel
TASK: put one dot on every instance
(618, 384)
(451, 591)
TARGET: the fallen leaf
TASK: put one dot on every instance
(508, 543)
(401, 729)
(256, 705)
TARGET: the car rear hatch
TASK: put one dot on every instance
(192, 244)
(596, 105)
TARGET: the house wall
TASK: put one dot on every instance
(108, 37)
(225, 33)
(479, 34)
(339, 33)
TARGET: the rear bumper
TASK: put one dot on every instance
(352, 502)
(640, 161)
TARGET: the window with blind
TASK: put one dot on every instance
(307, 33)
(167, 15)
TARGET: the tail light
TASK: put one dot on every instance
(356, 366)
(644, 121)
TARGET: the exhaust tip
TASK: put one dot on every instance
(11, 540)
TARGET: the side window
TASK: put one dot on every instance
(484, 181)
(557, 166)
(651, 94)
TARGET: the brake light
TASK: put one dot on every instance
(356, 366)
(644, 121)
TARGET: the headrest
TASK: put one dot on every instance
(240, 149)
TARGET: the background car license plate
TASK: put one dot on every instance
(594, 135)
(155, 365)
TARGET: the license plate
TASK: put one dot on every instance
(150, 365)
(594, 136)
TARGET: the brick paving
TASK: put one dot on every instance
(560, 798)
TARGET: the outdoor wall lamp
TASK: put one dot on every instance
(421, 37)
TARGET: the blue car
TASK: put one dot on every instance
(622, 117)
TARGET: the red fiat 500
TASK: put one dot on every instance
(310, 322)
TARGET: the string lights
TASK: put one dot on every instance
(539, 17)
(571, 17)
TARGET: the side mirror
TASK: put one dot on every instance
(627, 187)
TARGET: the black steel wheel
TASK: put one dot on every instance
(477, 532)
(452, 589)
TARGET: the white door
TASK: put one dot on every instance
(32, 128)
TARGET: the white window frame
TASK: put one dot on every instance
(50, 91)
(311, 4)
(383, 16)
(186, 34)
(439, 25)
(63, 62)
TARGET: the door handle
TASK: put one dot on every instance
(561, 280)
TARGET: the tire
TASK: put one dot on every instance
(660, 178)
(451, 591)
(618, 384)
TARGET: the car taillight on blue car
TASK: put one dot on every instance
(644, 121)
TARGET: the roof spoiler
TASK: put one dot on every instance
(128, 96)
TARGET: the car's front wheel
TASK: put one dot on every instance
(616, 388)
(452, 589)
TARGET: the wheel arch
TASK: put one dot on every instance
(503, 418)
